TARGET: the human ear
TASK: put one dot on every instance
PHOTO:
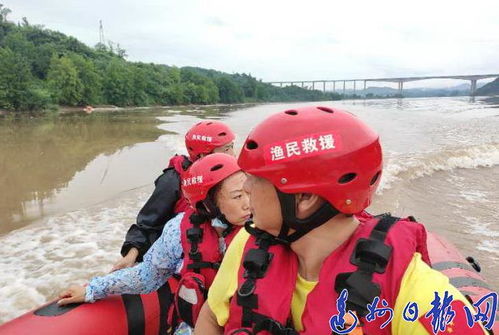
(307, 204)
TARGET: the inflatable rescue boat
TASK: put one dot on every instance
(146, 314)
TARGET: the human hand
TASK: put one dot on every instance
(127, 261)
(74, 294)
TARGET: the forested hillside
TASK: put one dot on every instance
(40, 68)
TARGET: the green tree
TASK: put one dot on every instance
(174, 74)
(261, 92)
(90, 79)
(174, 95)
(247, 83)
(15, 78)
(212, 92)
(139, 86)
(18, 43)
(228, 91)
(120, 52)
(64, 82)
(38, 98)
(157, 82)
(4, 12)
(190, 93)
(40, 62)
(188, 75)
(117, 84)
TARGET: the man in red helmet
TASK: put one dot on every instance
(314, 262)
(166, 201)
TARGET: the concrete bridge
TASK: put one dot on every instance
(400, 80)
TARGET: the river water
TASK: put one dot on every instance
(71, 185)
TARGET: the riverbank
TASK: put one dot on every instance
(112, 108)
(62, 110)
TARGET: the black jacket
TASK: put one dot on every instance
(158, 209)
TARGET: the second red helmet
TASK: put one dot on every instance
(206, 173)
(205, 136)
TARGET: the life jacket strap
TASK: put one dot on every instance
(203, 265)
(370, 255)
(195, 236)
(255, 263)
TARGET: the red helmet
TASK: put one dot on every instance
(318, 150)
(205, 136)
(206, 173)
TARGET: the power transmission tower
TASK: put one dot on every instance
(101, 34)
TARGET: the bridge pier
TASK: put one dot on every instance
(334, 86)
(280, 84)
(401, 88)
(324, 87)
(344, 87)
(313, 85)
(302, 84)
(354, 87)
(473, 87)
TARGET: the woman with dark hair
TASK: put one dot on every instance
(192, 244)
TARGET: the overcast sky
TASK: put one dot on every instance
(286, 40)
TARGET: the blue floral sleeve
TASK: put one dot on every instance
(163, 259)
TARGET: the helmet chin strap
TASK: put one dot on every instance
(301, 226)
(214, 212)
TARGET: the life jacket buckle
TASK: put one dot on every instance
(256, 263)
(194, 254)
(361, 290)
(194, 234)
(247, 288)
(373, 252)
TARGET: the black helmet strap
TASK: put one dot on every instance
(301, 226)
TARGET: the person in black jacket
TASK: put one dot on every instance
(166, 201)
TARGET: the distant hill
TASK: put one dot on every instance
(375, 91)
(491, 88)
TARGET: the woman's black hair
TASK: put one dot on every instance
(210, 202)
(208, 208)
(213, 192)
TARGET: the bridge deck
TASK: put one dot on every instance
(395, 80)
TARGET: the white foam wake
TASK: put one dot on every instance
(40, 260)
(411, 166)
